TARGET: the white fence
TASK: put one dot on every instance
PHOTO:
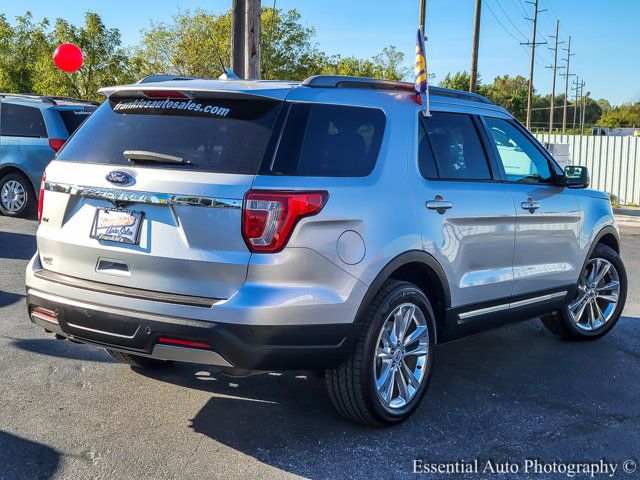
(613, 162)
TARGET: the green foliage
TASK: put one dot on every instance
(26, 63)
(623, 116)
(196, 43)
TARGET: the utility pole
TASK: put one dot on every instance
(476, 42)
(578, 89)
(237, 37)
(566, 86)
(553, 84)
(422, 17)
(533, 57)
(245, 38)
(252, 39)
(584, 109)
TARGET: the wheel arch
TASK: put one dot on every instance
(608, 236)
(425, 272)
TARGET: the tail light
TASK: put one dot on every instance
(41, 197)
(56, 143)
(269, 217)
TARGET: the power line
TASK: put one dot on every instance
(509, 18)
(501, 24)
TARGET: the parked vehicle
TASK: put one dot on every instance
(327, 225)
(614, 131)
(32, 130)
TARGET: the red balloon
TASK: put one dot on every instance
(68, 57)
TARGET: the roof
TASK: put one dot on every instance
(279, 89)
(46, 99)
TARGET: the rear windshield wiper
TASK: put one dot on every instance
(145, 156)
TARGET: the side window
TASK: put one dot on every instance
(329, 141)
(521, 159)
(21, 121)
(426, 161)
(456, 146)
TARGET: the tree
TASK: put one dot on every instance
(26, 64)
(197, 43)
(105, 61)
(622, 116)
(510, 93)
(458, 81)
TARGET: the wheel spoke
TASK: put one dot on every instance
(383, 354)
(385, 337)
(599, 314)
(603, 269)
(611, 298)
(387, 390)
(401, 383)
(592, 316)
(420, 332)
(385, 376)
(577, 309)
(614, 284)
(413, 381)
(420, 350)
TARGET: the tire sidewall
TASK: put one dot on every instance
(607, 253)
(404, 293)
(29, 195)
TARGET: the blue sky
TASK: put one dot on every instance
(603, 34)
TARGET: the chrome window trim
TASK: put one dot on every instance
(508, 306)
(133, 196)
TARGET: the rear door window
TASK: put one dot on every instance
(21, 121)
(225, 134)
(457, 147)
(321, 140)
(73, 118)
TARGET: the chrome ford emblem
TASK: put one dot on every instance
(118, 177)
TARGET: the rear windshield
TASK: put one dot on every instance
(221, 135)
(73, 118)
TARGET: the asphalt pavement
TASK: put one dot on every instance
(516, 393)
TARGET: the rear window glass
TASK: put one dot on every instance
(21, 121)
(457, 147)
(221, 135)
(329, 141)
(72, 119)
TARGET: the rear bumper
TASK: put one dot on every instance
(257, 347)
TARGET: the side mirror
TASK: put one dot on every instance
(576, 176)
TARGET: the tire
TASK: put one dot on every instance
(352, 386)
(138, 361)
(17, 187)
(598, 301)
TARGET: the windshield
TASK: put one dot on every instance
(221, 135)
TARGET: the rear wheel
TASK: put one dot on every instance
(385, 377)
(599, 300)
(17, 198)
(137, 360)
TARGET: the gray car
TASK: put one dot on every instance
(326, 225)
(32, 130)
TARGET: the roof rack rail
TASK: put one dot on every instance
(164, 78)
(47, 98)
(338, 81)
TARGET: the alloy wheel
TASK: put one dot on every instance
(401, 356)
(597, 297)
(13, 196)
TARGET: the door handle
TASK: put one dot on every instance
(439, 204)
(530, 205)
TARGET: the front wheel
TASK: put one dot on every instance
(385, 377)
(599, 300)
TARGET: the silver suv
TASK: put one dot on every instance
(327, 225)
(32, 130)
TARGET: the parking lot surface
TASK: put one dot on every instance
(70, 411)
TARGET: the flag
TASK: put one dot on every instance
(422, 83)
